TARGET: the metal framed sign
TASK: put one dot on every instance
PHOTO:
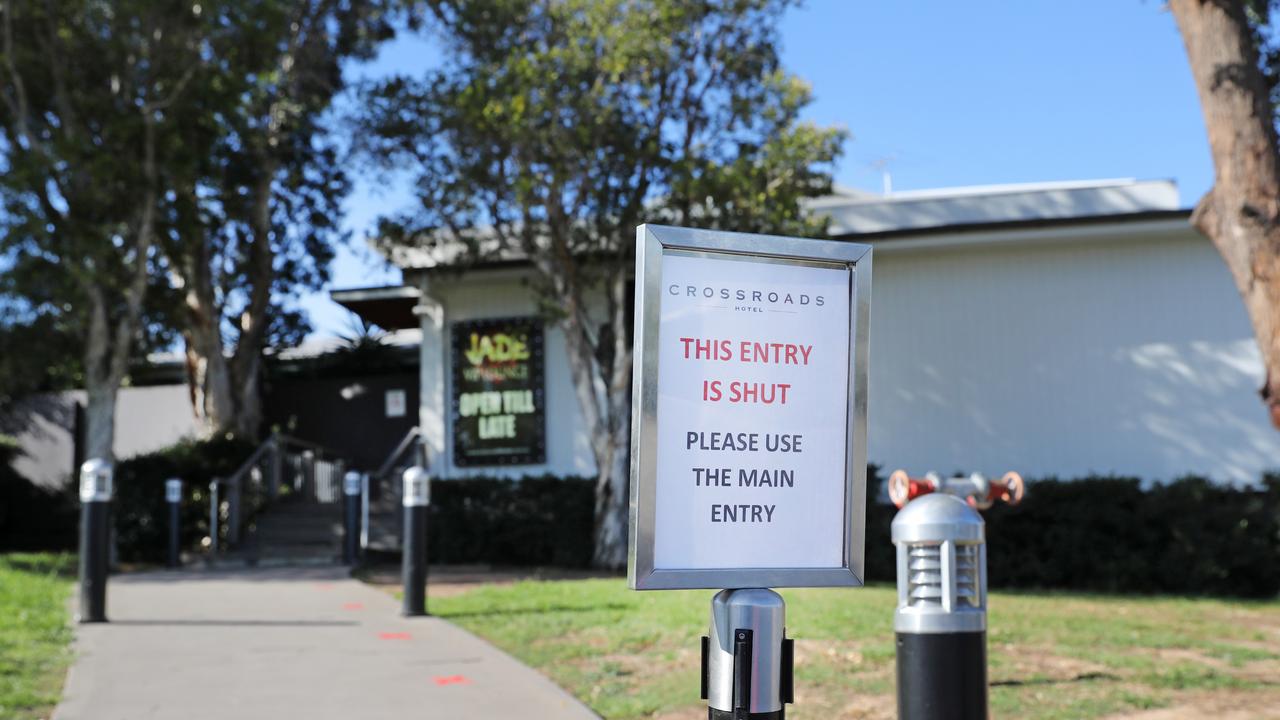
(748, 440)
(499, 403)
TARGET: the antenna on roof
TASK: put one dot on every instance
(881, 165)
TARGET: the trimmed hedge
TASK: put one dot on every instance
(1117, 535)
(544, 520)
(1104, 534)
(1114, 535)
(140, 513)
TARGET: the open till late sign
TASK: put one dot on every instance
(749, 437)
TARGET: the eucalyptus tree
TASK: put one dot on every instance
(87, 92)
(257, 203)
(1235, 62)
(553, 127)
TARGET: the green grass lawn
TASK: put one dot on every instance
(634, 655)
(35, 632)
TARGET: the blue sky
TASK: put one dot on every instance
(939, 94)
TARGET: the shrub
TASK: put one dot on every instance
(140, 512)
(1107, 534)
(544, 520)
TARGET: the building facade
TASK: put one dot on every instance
(1054, 329)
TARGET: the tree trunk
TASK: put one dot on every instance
(606, 410)
(1241, 214)
(210, 374)
(100, 414)
(247, 363)
(612, 499)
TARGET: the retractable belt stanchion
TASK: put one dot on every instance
(351, 483)
(95, 538)
(173, 499)
(417, 502)
(747, 659)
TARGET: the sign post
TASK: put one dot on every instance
(748, 450)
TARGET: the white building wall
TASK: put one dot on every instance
(1059, 356)
(1129, 356)
(495, 295)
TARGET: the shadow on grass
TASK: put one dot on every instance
(1083, 677)
(235, 623)
(548, 610)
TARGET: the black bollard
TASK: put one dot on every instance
(351, 517)
(95, 538)
(417, 501)
(941, 620)
(173, 498)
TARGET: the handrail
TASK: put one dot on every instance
(290, 440)
(414, 435)
(277, 446)
(247, 465)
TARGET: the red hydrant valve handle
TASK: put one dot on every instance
(903, 489)
(975, 489)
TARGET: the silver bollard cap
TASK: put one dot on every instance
(351, 483)
(417, 487)
(937, 517)
(942, 567)
(96, 481)
(173, 490)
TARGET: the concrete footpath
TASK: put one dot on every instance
(304, 643)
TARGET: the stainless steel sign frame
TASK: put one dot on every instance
(653, 243)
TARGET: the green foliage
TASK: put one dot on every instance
(1117, 535)
(535, 521)
(554, 127)
(140, 513)
(574, 121)
(83, 121)
(34, 632)
(1108, 534)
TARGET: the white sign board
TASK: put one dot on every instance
(396, 402)
(748, 464)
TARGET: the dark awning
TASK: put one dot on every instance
(390, 308)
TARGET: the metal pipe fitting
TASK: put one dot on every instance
(976, 489)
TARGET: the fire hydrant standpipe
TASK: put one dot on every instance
(940, 624)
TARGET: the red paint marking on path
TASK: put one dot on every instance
(353, 606)
(393, 636)
(452, 680)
